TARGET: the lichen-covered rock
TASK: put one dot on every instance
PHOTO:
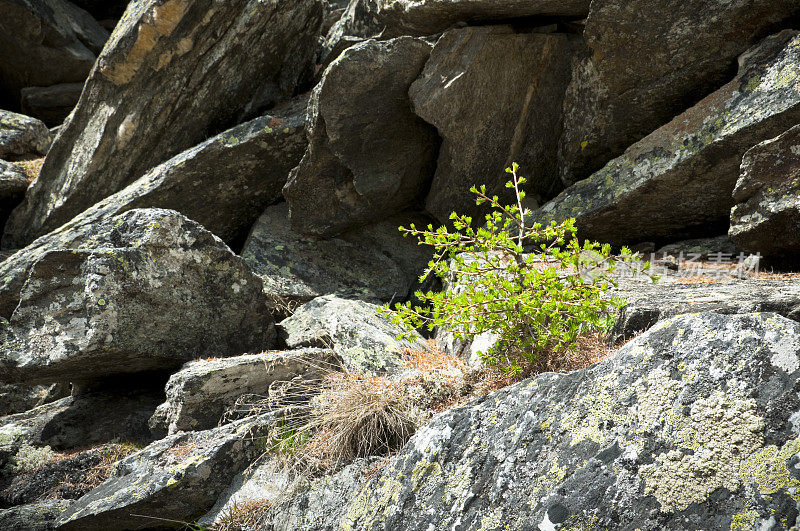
(426, 17)
(199, 394)
(243, 169)
(318, 504)
(366, 341)
(648, 303)
(648, 61)
(689, 426)
(369, 156)
(495, 97)
(22, 135)
(80, 421)
(160, 87)
(374, 262)
(156, 290)
(13, 183)
(40, 516)
(52, 104)
(45, 42)
(678, 180)
(177, 478)
(766, 217)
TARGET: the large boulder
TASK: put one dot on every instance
(366, 341)
(766, 217)
(677, 181)
(357, 23)
(203, 390)
(648, 61)
(648, 302)
(22, 135)
(426, 17)
(374, 262)
(242, 169)
(177, 478)
(689, 426)
(156, 91)
(369, 156)
(51, 104)
(495, 98)
(45, 42)
(158, 291)
(13, 183)
(40, 516)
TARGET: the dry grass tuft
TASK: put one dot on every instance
(248, 515)
(32, 167)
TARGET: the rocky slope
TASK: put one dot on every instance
(213, 227)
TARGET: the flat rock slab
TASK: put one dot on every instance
(156, 92)
(366, 341)
(678, 180)
(177, 478)
(22, 135)
(374, 262)
(369, 156)
(649, 303)
(46, 42)
(242, 169)
(157, 290)
(766, 217)
(689, 426)
(199, 394)
(495, 97)
(646, 62)
(426, 17)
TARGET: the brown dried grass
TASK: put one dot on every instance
(248, 515)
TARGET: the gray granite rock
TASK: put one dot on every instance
(689, 426)
(495, 97)
(22, 135)
(365, 340)
(154, 291)
(678, 180)
(160, 88)
(199, 394)
(369, 156)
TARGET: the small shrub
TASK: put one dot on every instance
(536, 287)
(29, 458)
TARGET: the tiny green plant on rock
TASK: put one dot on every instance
(536, 287)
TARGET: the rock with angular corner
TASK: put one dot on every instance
(365, 340)
(426, 17)
(369, 156)
(156, 290)
(157, 90)
(678, 180)
(21, 398)
(22, 135)
(199, 394)
(79, 421)
(52, 104)
(648, 61)
(255, 159)
(40, 516)
(691, 425)
(766, 217)
(177, 478)
(374, 262)
(45, 42)
(648, 302)
(13, 183)
(495, 98)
